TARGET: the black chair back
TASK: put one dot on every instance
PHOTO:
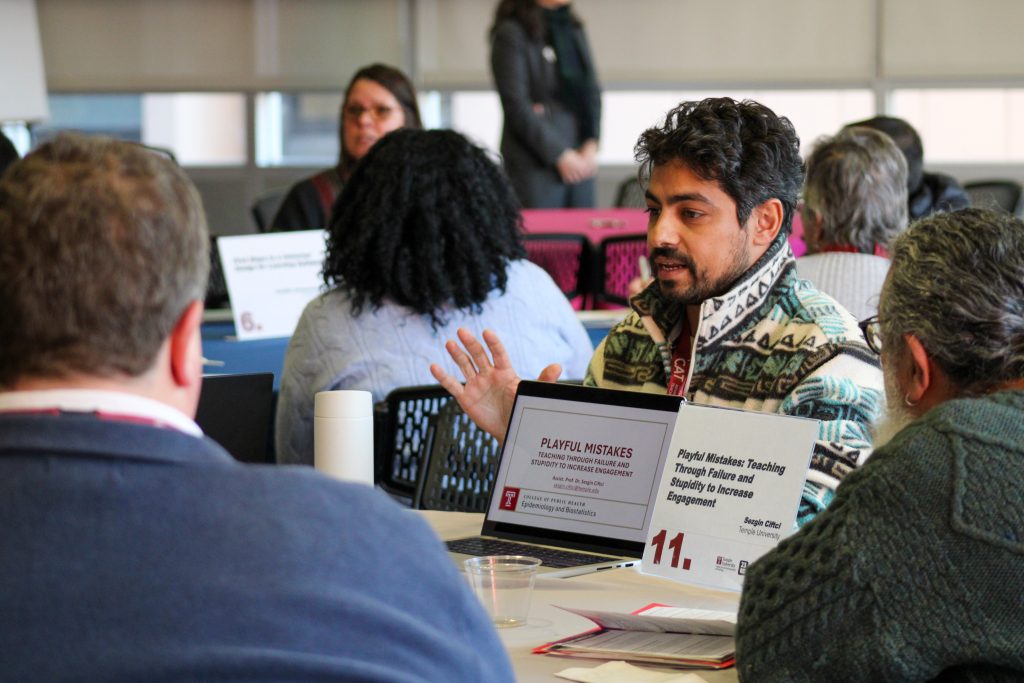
(459, 474)
(403, 437)
(237, 411)
(265, 207)
(630, 194)
(1003, 195)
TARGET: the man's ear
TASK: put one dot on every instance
(766, 221)
(186, 350)
(919, 372)
(927, 384)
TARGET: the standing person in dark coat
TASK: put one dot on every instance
(552, 102)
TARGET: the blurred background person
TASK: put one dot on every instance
(855, 202)
(914, 572)
(926, 192)
(425, 239)
(551, 99)
(378, 100)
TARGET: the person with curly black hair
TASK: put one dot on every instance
(726, 321)
(425, 239)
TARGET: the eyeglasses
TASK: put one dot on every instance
(872, 331)
(378, 113)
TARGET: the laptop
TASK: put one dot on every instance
(576, 478)
(236, 411)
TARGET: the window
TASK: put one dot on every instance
(978, 125)
(628, 113)
(301, 129)
(200, 129)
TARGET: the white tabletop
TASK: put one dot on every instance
(617, 590)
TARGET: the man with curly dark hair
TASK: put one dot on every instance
(726, 321)
(424, 239)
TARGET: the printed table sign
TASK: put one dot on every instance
(729, 493)
(270, 279)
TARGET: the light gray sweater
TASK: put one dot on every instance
(380, 350)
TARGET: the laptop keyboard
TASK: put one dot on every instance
(549, 557)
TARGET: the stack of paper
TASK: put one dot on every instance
(655, 634)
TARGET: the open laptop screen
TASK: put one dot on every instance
(580, 466)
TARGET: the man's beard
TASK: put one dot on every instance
(897, 414)
(702, 287)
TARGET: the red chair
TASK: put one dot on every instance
(618, 265)
(567, 259)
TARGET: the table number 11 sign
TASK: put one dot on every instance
(675, 546)
(729, 492)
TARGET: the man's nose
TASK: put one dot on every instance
(662, 232)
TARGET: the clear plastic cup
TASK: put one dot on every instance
(504, 584)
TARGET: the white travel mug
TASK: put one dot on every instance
(343, 435)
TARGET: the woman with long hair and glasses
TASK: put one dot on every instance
(378, 100)
(552, 102)
(424, 239)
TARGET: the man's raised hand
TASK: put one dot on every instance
(491, 381)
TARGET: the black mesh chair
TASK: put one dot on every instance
(618, 263)
(996, 194)
(459, 474)
(566, 257)
(403, 437)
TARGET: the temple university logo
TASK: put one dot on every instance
(509, 498)
(726, 564)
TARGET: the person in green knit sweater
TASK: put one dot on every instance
(916, 570)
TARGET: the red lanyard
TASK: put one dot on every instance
(680, 362)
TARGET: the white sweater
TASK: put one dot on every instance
(854, 280)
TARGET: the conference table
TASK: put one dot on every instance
(227, 355)
(616, 590)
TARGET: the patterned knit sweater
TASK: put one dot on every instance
(915, 570)
(772, 344)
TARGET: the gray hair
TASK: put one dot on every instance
(857, 183)
(957, 284)
(104, 245)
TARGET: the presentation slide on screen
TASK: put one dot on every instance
(270, 279)
(577, 465)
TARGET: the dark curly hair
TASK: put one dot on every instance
(426, 221)
(752, 153)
